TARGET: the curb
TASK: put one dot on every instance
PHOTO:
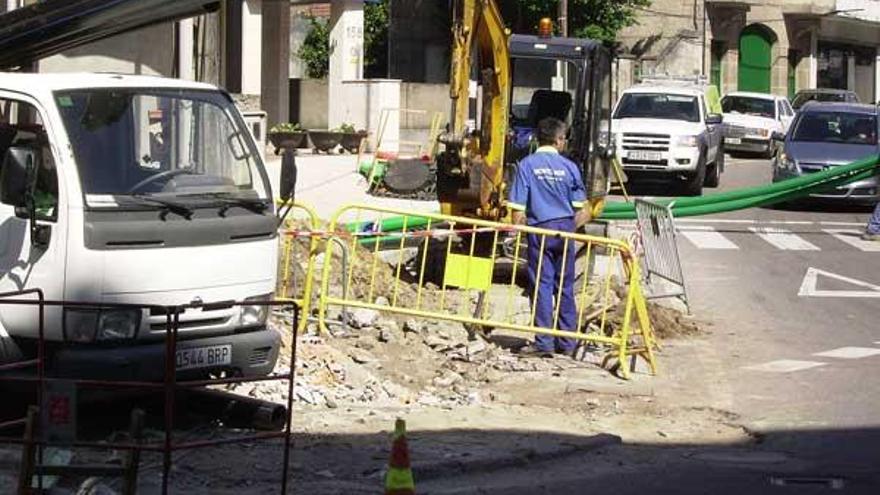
(426, 471)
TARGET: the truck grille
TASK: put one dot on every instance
(645, 142)
(195, 319)
(645, 150)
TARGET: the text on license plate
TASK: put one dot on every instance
(652, 156)
(733, 140)
(204, 357)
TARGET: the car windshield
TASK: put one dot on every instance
(760, 107)
(836, 127)
(169, 143)
(658, 106)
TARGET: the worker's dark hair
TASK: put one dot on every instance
(549, 130)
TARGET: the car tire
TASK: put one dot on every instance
(694, 184)
(713, 174)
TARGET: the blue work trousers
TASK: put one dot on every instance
(874, 222)
(544, 301)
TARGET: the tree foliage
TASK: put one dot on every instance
(376, 20)
(316, 49)
(596, 19)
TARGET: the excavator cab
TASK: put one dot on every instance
(569, 79)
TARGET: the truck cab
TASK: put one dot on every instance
(666, 133)
(119, 189)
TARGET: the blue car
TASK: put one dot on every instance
(825, 135)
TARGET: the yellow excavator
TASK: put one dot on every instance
(520, 79)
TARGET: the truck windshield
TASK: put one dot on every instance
(759, 107)
(836, 127)
(658, 106)
(159, 142)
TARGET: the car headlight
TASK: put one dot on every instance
(687, 141)
(90, 325)
(762, 132)
(255, 315)
(785, 162)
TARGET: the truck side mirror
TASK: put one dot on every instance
(714, 119)
(777, 136)
(288, 175)
(17, 177)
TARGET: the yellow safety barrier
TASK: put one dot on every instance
(297, 257)
(470, 271)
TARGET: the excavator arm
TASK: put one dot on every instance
(471, 167)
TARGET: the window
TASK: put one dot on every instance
(130, 142)
(760, 107)
(836, 127)
(22, 127)
(658, 106)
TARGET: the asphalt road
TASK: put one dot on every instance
(794, 302)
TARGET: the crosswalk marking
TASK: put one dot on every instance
(849, 353)
(783, 239)
(706, 238)
(785, 366)
(851, 237)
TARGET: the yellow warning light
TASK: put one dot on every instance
(545, 27)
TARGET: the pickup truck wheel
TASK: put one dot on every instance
(694, 184)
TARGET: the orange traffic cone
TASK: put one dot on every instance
(399, 478)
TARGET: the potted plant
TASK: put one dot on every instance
(325, 141)
(287, 136)
(351, 138)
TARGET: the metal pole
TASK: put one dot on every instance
(563, 18)
(703, 68)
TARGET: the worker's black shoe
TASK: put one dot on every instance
(531, 350)
(572, 353)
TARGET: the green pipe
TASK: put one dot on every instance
(868, 163)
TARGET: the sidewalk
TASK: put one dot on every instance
(328, 182)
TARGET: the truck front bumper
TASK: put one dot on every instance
(253, 354)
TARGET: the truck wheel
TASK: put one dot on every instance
(694, 184)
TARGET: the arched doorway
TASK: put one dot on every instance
(755, 58)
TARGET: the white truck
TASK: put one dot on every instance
(666, 133)
(142, 190)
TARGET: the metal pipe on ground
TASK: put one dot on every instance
(234, 410)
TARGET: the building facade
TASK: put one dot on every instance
(772, 46)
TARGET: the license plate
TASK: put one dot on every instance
(650, 156)
(733, 140)
(204, 357)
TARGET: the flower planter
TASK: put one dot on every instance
(325, 141)
(351, 141)
(287, 140)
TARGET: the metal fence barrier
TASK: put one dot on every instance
(656, 227)
(455, 269)
(300, 244)
(35, 371)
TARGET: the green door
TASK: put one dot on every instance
(755, 45)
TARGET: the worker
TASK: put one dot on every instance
(548, 192)
(872, 231)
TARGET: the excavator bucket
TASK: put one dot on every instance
(53, 26)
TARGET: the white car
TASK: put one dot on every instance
(750, 119)
(665, 132)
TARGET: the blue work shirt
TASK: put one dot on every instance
(547, 187)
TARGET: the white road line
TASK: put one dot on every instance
(851, 237)
(784, 239)
(746, 222)
(785, 366)
(849, 353)
(810, 286)
(706, 238)
(843, 224)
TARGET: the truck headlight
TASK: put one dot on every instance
(255, 315)
(83, 325)
(686, 141)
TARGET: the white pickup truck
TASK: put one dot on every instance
(141, 190)
(666, 133)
